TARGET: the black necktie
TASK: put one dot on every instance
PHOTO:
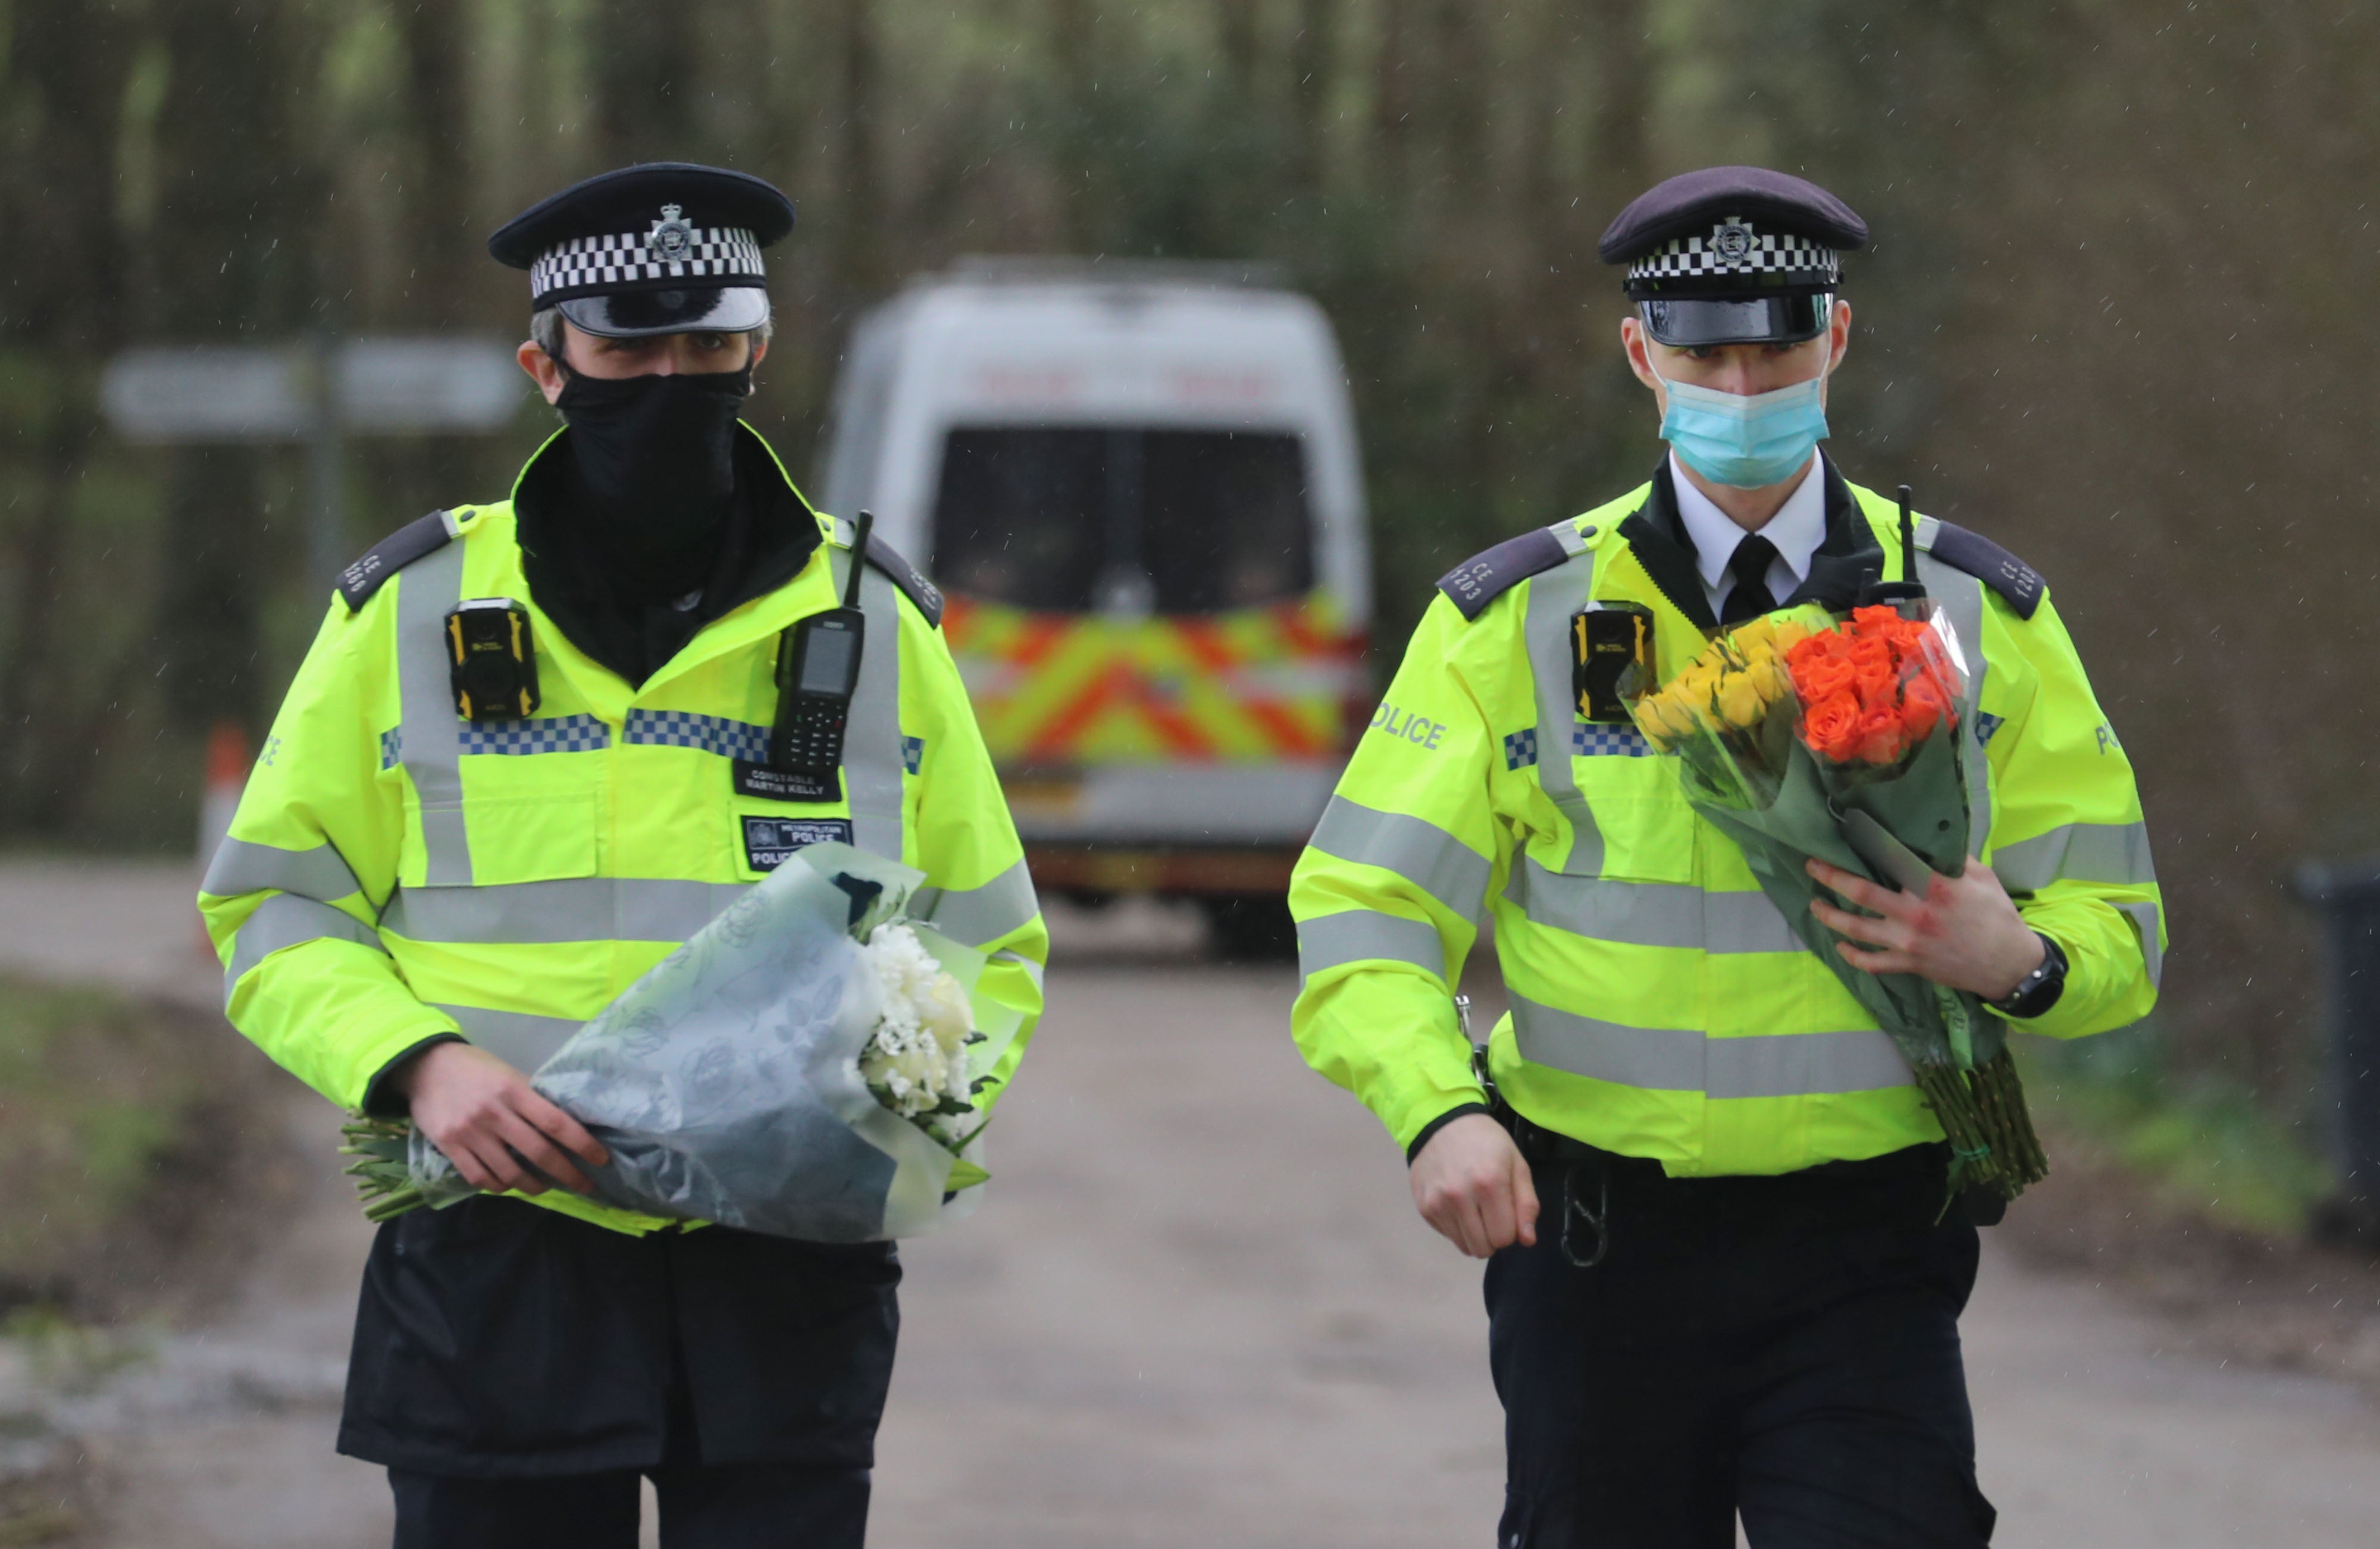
(1751, 596)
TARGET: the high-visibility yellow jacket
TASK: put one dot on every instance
(1660, 1006)
(396, 875)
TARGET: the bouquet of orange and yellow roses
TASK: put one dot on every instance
(1802, 737)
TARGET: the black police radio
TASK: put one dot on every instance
(818, 671)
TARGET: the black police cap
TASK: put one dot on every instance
(1733, 255)
(662, 248)
(1692, 202)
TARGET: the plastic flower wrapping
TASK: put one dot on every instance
(1803, 736)
(808, 1065)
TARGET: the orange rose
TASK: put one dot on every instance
(1875, 623)
(1831, 728)
(1921, 708)
(1880, 739)
(1822, 678)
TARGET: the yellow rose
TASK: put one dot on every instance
(1662, 719)
(1695, 685)
(1740, 700)
(1753, 635)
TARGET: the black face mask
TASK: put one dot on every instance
(655, 459)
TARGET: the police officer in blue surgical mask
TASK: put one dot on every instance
(1724, 1260)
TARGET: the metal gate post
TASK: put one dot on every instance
(2349, 896)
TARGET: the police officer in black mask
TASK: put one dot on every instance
(649, 316)
(516, 1368)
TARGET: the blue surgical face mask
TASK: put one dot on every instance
(1745, 441)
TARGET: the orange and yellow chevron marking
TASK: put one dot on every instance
(1084, 689)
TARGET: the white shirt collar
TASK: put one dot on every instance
(1797, 530)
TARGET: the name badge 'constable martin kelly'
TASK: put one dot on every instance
(421, 899)
(1720, 1276)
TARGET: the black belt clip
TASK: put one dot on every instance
(1584, 1170)
(491, 660)
(1576, 1211)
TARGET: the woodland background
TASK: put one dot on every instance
(2120, 315)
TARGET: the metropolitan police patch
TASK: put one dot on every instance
(769, 841)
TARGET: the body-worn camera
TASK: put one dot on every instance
(491, 661)
(1611, 660)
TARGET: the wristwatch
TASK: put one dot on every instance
(2039, 991)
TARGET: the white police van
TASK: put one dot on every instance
(1139, 485)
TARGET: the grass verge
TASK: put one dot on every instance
(121, 1123)
(2200, 1145)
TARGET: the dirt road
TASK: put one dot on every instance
(1196, 1311)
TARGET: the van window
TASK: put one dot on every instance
(1075, 520)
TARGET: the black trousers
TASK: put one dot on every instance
(758, 1506)
(497, 1340)
(1782, 1348)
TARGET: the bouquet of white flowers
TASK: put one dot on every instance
(806, 1066)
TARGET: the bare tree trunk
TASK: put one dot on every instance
(1614, 39)
(1239, 30)
(1313, 68)
(445, 259)
(646, 77)
(860, 254)
(1392, 96)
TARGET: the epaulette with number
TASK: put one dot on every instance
(2017, 583)
(902, 573)
(412, 541)
(1484, 577)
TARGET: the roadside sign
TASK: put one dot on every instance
(318, 390)
(387, 385)
(223, 394)
(396, 386)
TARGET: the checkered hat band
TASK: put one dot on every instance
(1694, 258)
(588, 265)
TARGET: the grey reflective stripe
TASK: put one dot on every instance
(1366, 936)
(1795, 1064)
(2079, 851)
(1962, 596)
(1421, 853)
(1554, 595)
(566, 909)
(519, 1039)
(871, 744)
(1680, 1060)
(287, 920)
(976, 915)
(1650, 914)
(2145, 918)
(1032, 969)
(431, 733)
(242, 866)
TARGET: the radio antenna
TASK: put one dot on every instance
(1908, 540)
(860, 529)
